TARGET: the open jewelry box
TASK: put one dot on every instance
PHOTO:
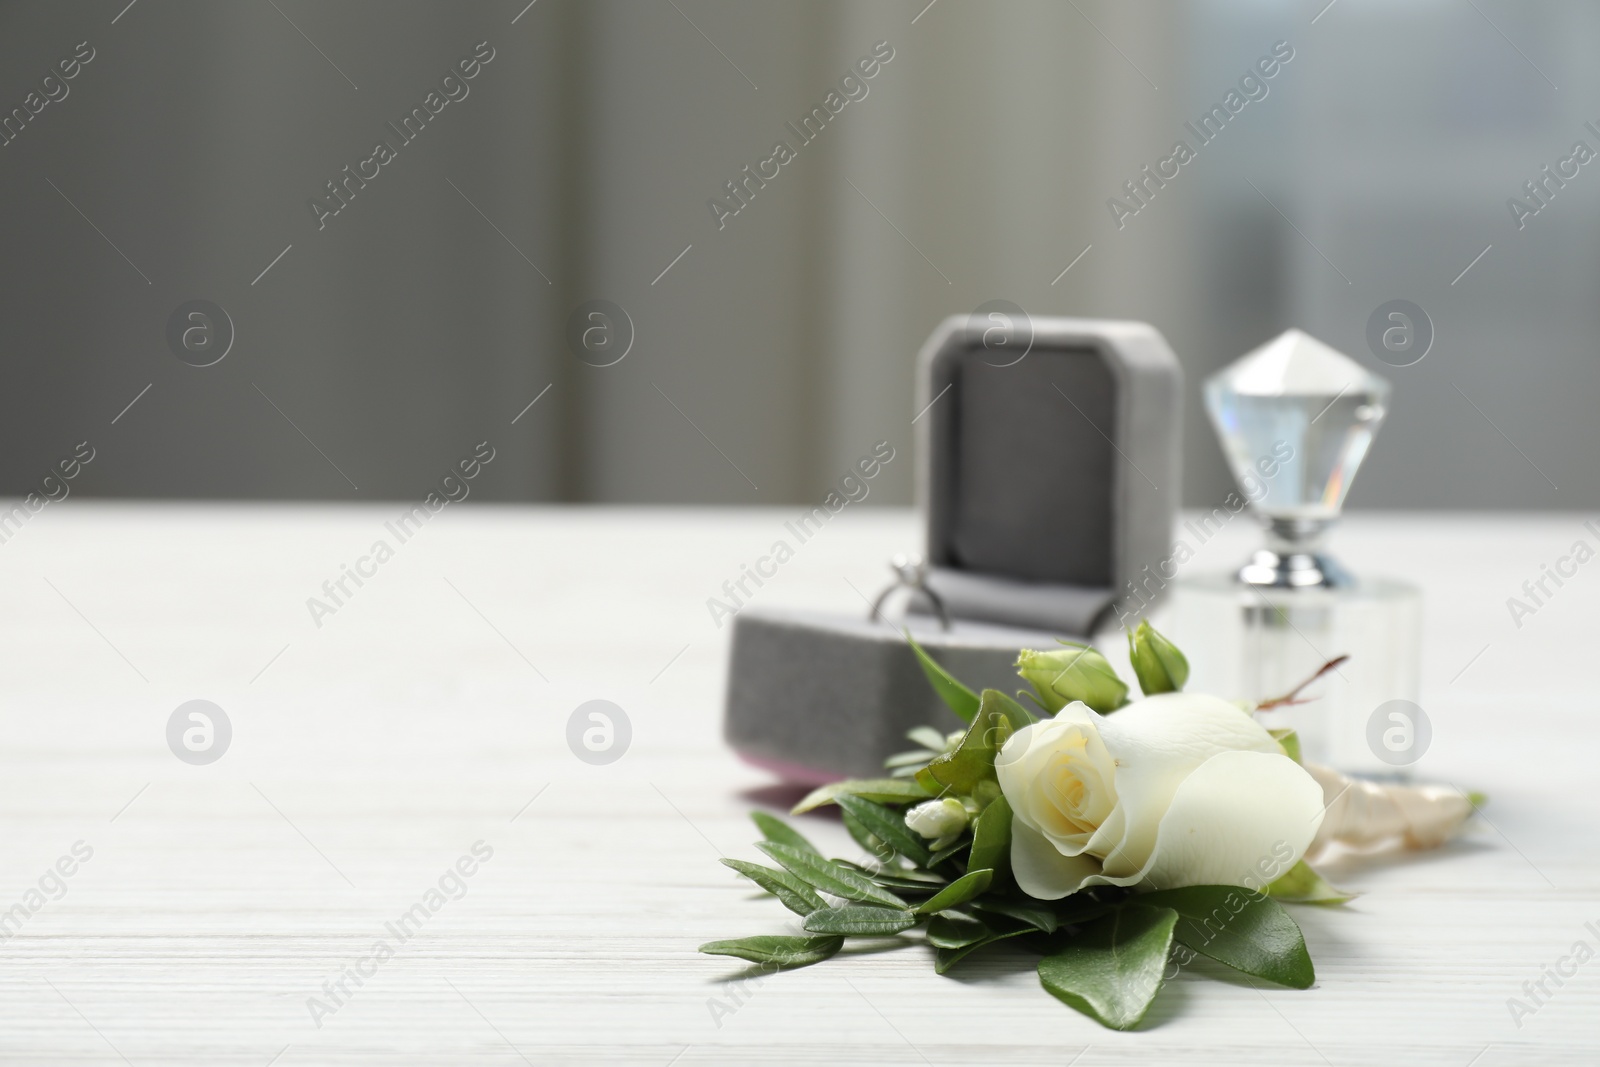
(1047, 475)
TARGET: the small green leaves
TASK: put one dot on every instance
(958, 892)
(906, 764)
(1063, 675)
(1302, 885)
(889, 790)
(1113, 969)
(860, 920)
(775, 829)
(777, 951)
(961, 700)
(887, 826)
(1245, 930)
(1157, 663)
(828, 876)
(793, 893)
(991, 837)
(971, 765)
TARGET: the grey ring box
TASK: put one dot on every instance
(1048, 484)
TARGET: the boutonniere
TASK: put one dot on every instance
(1118, 838)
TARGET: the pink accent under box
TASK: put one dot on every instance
(790, 772)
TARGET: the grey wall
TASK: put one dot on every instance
(396, 337)
(780, 346)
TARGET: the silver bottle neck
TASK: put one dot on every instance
(1293, 558)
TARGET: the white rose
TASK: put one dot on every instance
(1173, 790)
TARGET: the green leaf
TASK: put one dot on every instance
(1288, 740)
(859, 920)
(775, 829)
(1080, 908)
(1019, 715)
(828, 876)
(1113, 969)
(955, 929)
(777, 950)
(883, 790)
(909, 881)
(961, 700)
(946, 958)
(1038, 915)
(958, 892)
(927, 737)
(887, 826)
(793, 893)
(946, 853)
(1302, 885)
(863, 837)
(991, 837)
(1247, 931)
(962, 771)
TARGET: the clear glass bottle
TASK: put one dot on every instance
(1296, 419)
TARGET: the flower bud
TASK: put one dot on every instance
(1157, 663)
(937, 818)
(1063, 675)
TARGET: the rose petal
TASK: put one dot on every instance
(1106, 841)
(1241, 818)
(1157, 742)
(1041, 870)
(1023, 763)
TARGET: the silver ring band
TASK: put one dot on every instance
(910, 573)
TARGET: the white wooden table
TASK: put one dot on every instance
(429, 713)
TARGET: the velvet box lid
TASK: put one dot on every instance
(1047, 475)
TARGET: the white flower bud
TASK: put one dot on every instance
(937, 818)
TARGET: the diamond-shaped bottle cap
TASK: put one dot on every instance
(1296, 419)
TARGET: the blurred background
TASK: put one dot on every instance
(364, 352)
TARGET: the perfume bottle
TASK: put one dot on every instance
(1296, 419)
